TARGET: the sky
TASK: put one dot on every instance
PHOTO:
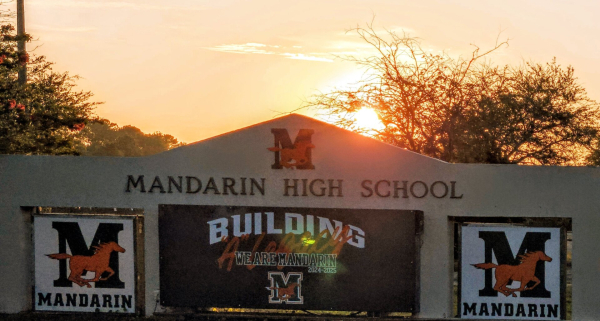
(195, 69)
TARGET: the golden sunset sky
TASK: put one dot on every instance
(195, 69)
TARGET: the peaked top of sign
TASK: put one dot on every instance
(295, 141)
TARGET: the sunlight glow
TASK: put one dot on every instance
(308, 241)
(368, 120)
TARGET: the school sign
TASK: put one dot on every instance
(296, 214)
(511, 272)
(289, 258)
(101, 270)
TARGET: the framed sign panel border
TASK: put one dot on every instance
(106, 303)
(290, 258)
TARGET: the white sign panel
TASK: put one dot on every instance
(84, 264)
(510, 273)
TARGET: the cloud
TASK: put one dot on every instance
(107, 5)
(252, 48)
(258, 45)
(399, 30)
(61, 29)
(299, 56)
(263, 49)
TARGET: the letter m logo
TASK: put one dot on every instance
(292, 155)
(286, 288)
(497, 243)
(70, 233)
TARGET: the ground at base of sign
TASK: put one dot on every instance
(37, 316)
(217, 314)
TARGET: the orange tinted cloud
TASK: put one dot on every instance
(262, 49)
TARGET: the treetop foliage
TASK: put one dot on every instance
(48, 115)
(43, 115)
(103, 138)
(466, 110)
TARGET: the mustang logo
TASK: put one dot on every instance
(296, 154)
(524, 272)
(285, 293)
(97, 263)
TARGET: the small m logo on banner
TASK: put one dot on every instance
(292, 155)
(286, 288)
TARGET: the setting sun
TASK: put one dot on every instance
(368, 120)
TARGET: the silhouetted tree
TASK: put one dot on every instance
(466, 110)
(533, 114)
(43, 115)
(103, 138)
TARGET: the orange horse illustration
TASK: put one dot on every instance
(296, 154)
(524, 272)
(285, 293)
(97, 263)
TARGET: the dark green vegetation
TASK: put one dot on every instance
(466, 110)
(47, 115)
(42, 115)
(103, 138)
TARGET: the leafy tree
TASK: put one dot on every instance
(534, 114)
(43, 115)
(465, 109)
(103, 138)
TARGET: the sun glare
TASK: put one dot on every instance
(368, 120)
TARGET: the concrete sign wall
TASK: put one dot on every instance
(298, 162)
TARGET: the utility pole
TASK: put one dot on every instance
(21, 44)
